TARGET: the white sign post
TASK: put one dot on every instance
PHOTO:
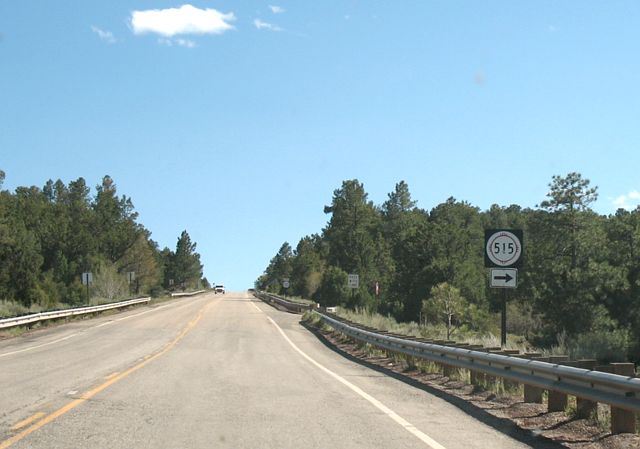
(353, 281)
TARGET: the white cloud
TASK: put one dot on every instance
(629, 201)
(177, 41)
(186, 19)
(261, 25)
(276, 9)
(185, 43)
(106, 36)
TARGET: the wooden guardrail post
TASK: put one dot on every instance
(623, 421)
(584, 407)
(450, 370)
(557, 401)
(476, 378)
(533, 395)
(439, 365)
(489, 379)
(506, 383)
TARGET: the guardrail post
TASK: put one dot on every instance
(476, 378)
(449, 370)
(506, 383)
(533, 395)
(488, 379)
(557, 400)
(623, 421)
(584, 407)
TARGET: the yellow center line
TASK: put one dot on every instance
(111, 375)
(91, 393)
(20, 424)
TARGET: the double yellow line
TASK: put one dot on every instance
(112, 380)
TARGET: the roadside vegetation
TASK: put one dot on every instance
(579, 287)
(49, 236)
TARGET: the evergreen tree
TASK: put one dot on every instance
(185, 267)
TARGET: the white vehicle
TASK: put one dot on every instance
(218, 289)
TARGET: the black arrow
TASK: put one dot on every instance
(506, 278)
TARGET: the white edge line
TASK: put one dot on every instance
(376, 403)
(257, 308)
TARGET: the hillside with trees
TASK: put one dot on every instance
(579, 284)
(50, 235)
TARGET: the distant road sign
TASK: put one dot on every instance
(353, 281)
(87, 278)
(503, 248)
(285, 283)
(131, 276)
(504, 278)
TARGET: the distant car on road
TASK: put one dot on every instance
(218, 289)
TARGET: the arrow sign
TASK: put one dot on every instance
(504, 278)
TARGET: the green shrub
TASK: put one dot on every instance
(606, 341)
(604, 345)
(11, 308)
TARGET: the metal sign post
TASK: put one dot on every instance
(87, 278)
(131, 276)
(503, 253)
(353, 282)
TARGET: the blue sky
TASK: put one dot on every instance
(237, 120)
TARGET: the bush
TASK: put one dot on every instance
(333, 290)
(603, 345)
(606, 341)
(108, 283)
(10, 309)
(522, 320)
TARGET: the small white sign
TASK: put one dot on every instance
(353, 281)
(285, 283)
(131, 276)
(87, 278)
(504, 278)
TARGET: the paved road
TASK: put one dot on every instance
(212, 371)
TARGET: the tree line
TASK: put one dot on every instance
(49, 236)
(580, 280)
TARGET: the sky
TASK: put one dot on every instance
(237, 120)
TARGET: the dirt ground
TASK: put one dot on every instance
(555, 426)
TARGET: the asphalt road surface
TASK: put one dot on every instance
(215, 371)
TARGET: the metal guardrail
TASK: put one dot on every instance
(290, 306)
(55, 314)
(173, 295)
(615, 390)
